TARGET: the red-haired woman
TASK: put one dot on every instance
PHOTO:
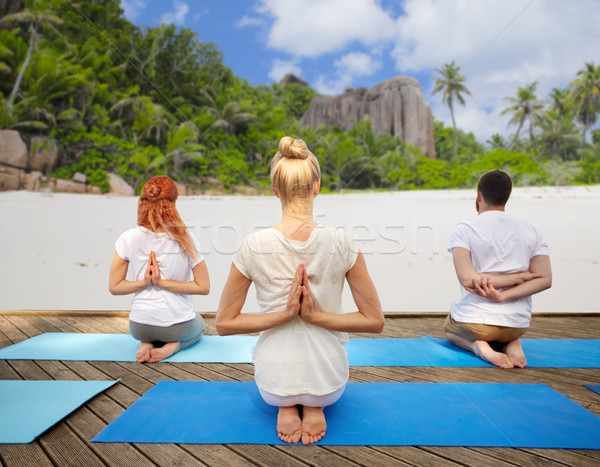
(167, 268)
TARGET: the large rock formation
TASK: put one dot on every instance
(291, 79)
(118, 186)
(13, 151)
(43, 154)
(396, 107)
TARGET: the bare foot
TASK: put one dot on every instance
(143, 353)
(289, 425)
(313, 425)
(160, 353)
(483, 350)
(514, 350)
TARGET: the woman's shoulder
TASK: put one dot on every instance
(259, 237)
(132, 232)
(338, 234)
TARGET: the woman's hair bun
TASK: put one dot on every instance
(153, 191)
(158, 189)
(293, 148)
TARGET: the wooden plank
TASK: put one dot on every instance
(82, 325)
(414, 456)
(231, 372)
(365, 456)
(24, 326)
(465, 456)
(128, 379)
(566, 456)
(7, 372)
(58, 370)
(264, 455)
(60, 324)
(10, 331)
(4, 340)
(41, 323)
(110, 326)
(168, 454)
(518, 457)
(216, 454)
(64, 447)
(315, 455)
(29, 370)
(24, 455)
(87, 425)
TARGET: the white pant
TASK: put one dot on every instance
(308, 400)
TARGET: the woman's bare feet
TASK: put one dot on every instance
(143, 353)
(160, 353)
(483, 350)
(514, 350)
(289, 425)
(313, 425)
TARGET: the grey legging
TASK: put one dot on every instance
(186, 333)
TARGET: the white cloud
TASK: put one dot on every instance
(309, 28)
(501, 45)
(249, 21)
(333, 86)
(133, 8)
(280, 68)
(358, 64)
(348, 68)
(177, 16)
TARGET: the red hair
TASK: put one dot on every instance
(157, 212)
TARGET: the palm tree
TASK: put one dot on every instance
(183, 146)
(586, 96)
(526, 106)
(557, 133)
(34, 19)
(560, 100)
(230, 115)
(497, 141)
(451, 81)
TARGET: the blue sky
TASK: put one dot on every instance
(334, 44)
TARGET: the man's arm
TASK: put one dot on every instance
(469, 278)
(539, 265)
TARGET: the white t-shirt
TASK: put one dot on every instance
(499, 243)
(298, 358)
(154, 305)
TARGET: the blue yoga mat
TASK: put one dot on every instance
(593, 387)
(28, 408)
(123, 347)
(430, 351)
(425, 351)
(371, 414)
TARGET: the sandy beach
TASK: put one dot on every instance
(57, 248)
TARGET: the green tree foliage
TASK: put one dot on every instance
(525, 107)
(141, 102)
(450, 82)
(585, 95)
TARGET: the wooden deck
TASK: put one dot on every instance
(67, 443)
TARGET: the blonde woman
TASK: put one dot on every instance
(168, 268)
(298, 268)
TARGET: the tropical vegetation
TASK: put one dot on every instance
(141, 102)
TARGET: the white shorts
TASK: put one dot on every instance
(308, 400)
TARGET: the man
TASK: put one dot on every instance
(500, 262)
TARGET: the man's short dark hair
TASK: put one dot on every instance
(495, 186)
